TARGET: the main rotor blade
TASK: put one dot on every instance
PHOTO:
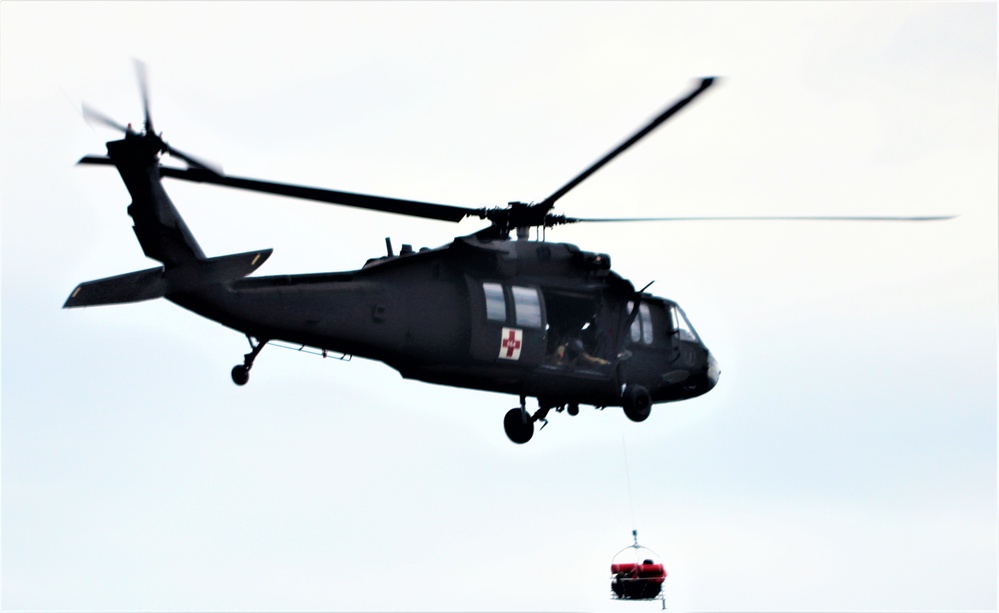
(548, 202)
(779, 218)
(412, 208)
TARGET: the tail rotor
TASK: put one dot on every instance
(92, 115)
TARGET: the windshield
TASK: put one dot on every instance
(682, 325)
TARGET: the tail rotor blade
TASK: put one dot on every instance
(92, 115)
(140, 73)
(194, 162)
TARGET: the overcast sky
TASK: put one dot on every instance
(846, 461)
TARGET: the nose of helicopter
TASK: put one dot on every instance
(713, 371)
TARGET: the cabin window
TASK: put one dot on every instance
(641, 326)
(527, 306)
(495, 302)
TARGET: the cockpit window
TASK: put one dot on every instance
(646, 316)
(641, 326)
(682, 326)
(636, 325)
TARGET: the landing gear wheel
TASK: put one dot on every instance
(518, 425)
(637, 403)
(240, 374)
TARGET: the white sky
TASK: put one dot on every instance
(846, 461)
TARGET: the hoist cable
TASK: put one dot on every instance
(627, 476)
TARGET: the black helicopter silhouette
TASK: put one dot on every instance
(529, 318)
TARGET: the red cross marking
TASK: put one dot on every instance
(511, 343)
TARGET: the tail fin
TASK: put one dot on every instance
(159, 282)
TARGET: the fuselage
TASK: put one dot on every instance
(539, 319)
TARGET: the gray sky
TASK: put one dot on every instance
(846, 460)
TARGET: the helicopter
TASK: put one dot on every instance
(530, 318)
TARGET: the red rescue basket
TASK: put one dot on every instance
(641, 579)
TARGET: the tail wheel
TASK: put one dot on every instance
(637, 403)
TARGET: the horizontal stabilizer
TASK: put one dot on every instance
(159, 282)
(231, 267)
(130, 287)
